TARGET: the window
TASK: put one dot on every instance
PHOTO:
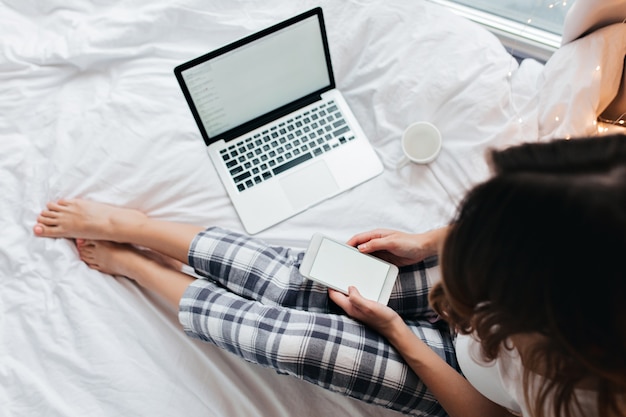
(526, 27)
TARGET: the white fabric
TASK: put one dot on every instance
(488, 377)
(579, 82)
(585, 16)
(501, 380)
(89, 107)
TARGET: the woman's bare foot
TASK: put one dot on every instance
(121, 259)
(86, 219)
(154, 272)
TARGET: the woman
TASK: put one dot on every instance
(532, 268)
(532, 280)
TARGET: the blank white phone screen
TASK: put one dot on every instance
(342, 267)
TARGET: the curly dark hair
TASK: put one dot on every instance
(540, 249)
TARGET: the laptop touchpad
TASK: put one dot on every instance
(309, 185)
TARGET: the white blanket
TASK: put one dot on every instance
(89, 107)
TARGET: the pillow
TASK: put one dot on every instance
(579, 81)
(586, 16)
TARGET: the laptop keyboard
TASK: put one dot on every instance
(259, 157)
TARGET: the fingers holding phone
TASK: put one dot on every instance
(374, 314)
(397, 247)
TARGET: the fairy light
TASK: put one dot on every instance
(509, 75)
(608, 124)
(557, 3)
(599, 124)
(619, 121)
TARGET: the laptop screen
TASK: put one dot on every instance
(255, 78)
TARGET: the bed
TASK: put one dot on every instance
(90, 108)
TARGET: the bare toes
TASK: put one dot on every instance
(49, 214)
(87, 253)
(43, 230)
(54, 206)
(46, 220)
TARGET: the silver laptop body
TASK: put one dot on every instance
(278, 132)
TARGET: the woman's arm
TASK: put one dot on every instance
(456, 395)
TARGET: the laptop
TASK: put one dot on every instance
(280, 135)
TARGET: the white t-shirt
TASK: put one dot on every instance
(501, 379)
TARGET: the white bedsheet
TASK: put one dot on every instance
(89, 107)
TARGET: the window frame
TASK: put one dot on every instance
(520, 39)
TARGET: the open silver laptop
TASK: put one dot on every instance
(279, 133)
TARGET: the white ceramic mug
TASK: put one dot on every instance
(421, 143)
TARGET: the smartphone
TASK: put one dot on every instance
(338, 266)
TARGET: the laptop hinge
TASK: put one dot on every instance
(269, 117)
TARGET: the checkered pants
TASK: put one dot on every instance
(255, 304)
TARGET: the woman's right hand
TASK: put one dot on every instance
(375, 315)
(399, 248)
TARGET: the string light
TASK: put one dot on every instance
(619, 121)
(557, 3)
(600, 124)
(513, 61)
(608, 124)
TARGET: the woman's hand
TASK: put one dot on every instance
(399, 248)
(375, 315)
(456, 395)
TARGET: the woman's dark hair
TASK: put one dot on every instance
(540, 248)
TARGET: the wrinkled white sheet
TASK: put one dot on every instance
(89, 107)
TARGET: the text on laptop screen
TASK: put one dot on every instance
(264, 75)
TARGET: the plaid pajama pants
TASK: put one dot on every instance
(255, 304)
